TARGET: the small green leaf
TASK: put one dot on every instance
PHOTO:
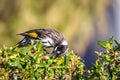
(32, 78)
(102, 43)
(23, 51)
(1, 51)
(118, 44)
(15, 64)
(111, 40)
(39, 45)
(117, 47)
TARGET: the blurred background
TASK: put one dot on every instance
(82, 22)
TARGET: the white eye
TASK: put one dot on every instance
(58, 52)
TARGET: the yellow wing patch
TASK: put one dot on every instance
(32, 34)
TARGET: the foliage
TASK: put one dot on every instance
(31, 63)
(107, 66)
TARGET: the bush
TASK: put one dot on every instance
(30, 63)
(107, 66)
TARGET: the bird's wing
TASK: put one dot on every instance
(56, 36)
(42, 33)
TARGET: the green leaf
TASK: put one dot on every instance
(15, 64)
(32, 78)
(39, 45)
(118, 44)
(102, 43)
(117, 47)
(23, 51)
(111, 40)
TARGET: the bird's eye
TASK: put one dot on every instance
(60, 47)
(58, 52)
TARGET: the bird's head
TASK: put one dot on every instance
(61, 49)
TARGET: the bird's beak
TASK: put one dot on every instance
(22, 34)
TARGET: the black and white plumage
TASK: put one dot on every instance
(48, 37)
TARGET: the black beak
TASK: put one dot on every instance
(22, 34)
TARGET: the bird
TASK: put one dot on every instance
(49, 38)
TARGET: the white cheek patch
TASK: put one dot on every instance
(64, 42)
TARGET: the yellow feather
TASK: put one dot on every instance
(33, 34)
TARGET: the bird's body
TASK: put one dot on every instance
(48, 37)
